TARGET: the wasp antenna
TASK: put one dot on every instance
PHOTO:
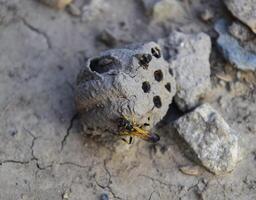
(125, 141)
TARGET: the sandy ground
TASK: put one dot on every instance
(45, 156)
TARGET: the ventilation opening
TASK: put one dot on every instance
(158, 75)
(104, 64)
(157, 101)
(168, 87)
(144, 59)
(170, 71)
(146, 87)
(156, 52)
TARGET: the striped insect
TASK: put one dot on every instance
(129, 128)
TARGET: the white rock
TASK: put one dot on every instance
(162, 10)
(214, 143)
(244, 10)
(188, 55)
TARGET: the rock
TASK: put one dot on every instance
(58, 4)
(246, 38)
(240, 31)
(188, 55)
(190, 170)
(74, 10)
(65, 196)
(214, 143)
(162, 10)
(148, 5)
(108, 38)
(104, 196)
(133, 81)
(94, 9)
(207, 14)
(232, 51)
(224, 77)
(244, 10)
(113, 35)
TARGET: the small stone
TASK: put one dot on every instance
(166, 9)
(162, 10)
(190, 170)
(222, 83)
(207, 15)
(237, 88)
(23, 197)
(214, 143)
(74, 10)
(244, 10)
(13, 132)
(107, 38)
(188, 55)
(104, 196)
(238, 75)
(240, 31)
(58, 4)
(94, 9)
(65, 196)
(232, 50)
(224, 77)
(115, 34)
(222, 102)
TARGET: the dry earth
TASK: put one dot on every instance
(44, 156)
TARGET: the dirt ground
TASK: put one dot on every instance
(44, 156)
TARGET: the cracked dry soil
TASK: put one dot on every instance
(43, 154)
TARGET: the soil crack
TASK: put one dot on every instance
(63, 142)
(38, 31)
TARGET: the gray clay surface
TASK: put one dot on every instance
(133, 82)
(44, 156)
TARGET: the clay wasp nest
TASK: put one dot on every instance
(133, 81)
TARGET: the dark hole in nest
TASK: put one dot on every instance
(157, 101)
(171, 71)
(103, 64)
(144, 59)
(168, 86)
(146, 86)
(156, 52)
(158, 74)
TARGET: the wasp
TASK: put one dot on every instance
(129, 128)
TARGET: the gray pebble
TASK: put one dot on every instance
(74, 10)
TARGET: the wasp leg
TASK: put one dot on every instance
(133, 119)
(125, 140)
(125, 133)
(144, 125)
(130, 140)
